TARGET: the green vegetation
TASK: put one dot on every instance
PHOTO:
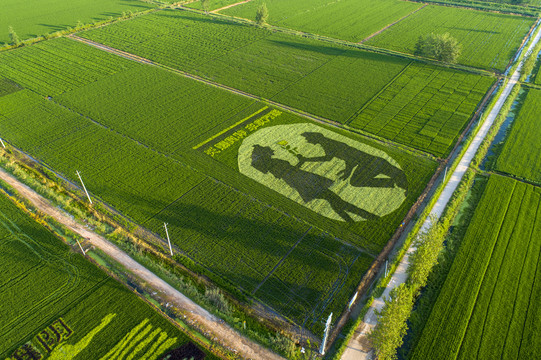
(312, 76)
(425, 107)
(148, 169)
(520, 152)
(262, 14)
(34, 18)
(58, 303)
(488, 40)
(391, 328)
(486, 306)
(306, 74)
(441, 47)
(351, 20)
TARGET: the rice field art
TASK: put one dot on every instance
(331, 174)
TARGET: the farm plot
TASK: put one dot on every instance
(56, 305)
(148, 169)
(213, 4)
(329, 81)
(426, 107)
(221, 229)
(313, 76)
(488, 40)
(351, 20)
(40, 17)
(493, 282)
(31, 67)
(520, 152)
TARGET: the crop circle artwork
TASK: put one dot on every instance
(328, 173)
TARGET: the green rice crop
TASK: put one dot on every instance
(488, 40)
(32, 67)
(322, 79)
(132, 135)
(487, 306)
(213, 4)
(33, 18)
(426, 107)
(43, 280)
(351, 20)
(520, 152)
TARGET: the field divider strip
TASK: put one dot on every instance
(391, 24)
(229, 128)
(301, 113)
(281, 261)
(230, 6)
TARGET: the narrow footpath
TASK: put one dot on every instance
(213, 325)
(359, 347)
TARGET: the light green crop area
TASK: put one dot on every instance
(31, 18)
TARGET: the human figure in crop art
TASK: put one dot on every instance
(310, 186)
(367, 167)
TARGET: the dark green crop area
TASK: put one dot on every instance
(487, 307)
(32, 18)
(422, 106)
(488, 40)
(42, 281)
(133, 133)
(351, 20)
(520, 152)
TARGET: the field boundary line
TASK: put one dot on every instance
(278, 105)
(394, 23)
(281, 261)
(229, 6)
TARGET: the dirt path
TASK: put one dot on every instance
(394, 23)
(230, 6)
(359, 348)
(228, 336)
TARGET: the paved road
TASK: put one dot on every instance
(228, 336)
(359, 347)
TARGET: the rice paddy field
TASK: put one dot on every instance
(41, 17)
(520, 152)
(358, 19)
(179, 161)
(58, 305)
(489, 40)
(213, 4)
(487, 307)
(312, 76)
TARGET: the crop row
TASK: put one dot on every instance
(310, 75)
(488, 40)
(520, 152)
(32, 67)
(486, 307)
(347, 19)
(426, 107)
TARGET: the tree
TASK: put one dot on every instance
(441, 47)
(391, 328)
(205, 5)
(262, 14)
(428, 246)
(13, 36)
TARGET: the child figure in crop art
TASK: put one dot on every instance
(367, 167)
(310, 186)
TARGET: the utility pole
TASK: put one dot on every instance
(168, 240)
(83, 250)
(2, 141)
(352, 300)
(84, 187)
(325, 335)
(445, 175)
